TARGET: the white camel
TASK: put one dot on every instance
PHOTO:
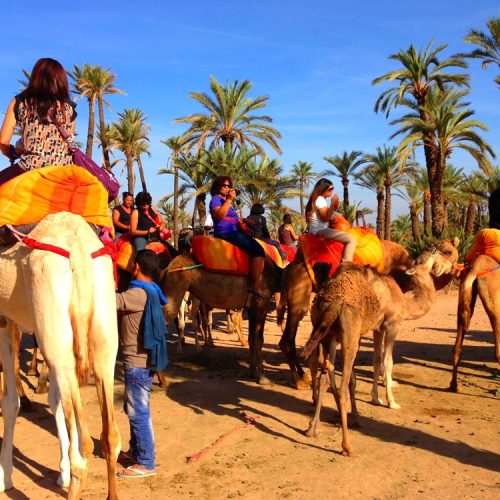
(69, 301)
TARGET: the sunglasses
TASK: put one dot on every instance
(226, 185)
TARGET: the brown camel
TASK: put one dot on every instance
(482, 279)
(357, 301)
(223, 292)
(296, 295)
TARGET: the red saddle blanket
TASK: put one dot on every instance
(126, 254)
(317, 249)
(220, 256)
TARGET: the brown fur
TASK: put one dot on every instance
(295, 300)
(356, 301)
(487, 288)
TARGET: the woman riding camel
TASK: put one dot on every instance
(226, 227)
(318, 215)
(286, 234)
(41, 145)
(121, 214)
(146, 225)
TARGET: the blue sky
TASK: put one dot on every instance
(315, 60)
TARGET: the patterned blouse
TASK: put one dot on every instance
(42, 143)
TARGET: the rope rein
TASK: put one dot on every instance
(32, 243)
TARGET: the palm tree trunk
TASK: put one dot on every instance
(176, 205)
(141, 173)
(445, 213)
(471, 217)
(301, 198)
(91, 127)
(415, 230)
(104, 141)
(427, 213)
(380, 215)
(202, 210)
(130, 173)
(387, 214)
(193, 218)
(345, 184)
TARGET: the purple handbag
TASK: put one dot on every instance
(107, 179)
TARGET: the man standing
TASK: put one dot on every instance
(144, 349)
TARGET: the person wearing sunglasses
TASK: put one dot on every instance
(318, 215)
(226, 226)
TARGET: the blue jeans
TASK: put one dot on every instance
(138, 383)
(139, 243)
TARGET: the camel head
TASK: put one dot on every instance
(441, 258)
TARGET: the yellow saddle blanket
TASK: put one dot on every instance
(29, 197)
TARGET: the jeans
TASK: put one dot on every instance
(139, 243)
(348, 239)
(138, 383)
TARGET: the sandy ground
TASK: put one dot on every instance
(439, 445)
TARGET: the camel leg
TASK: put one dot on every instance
(181, 324)
(196, 321)
(10, 406)
(322, 386)
(43, 379)
(491, 303)
(377, 364)
(33, 368)
(466, 301)
(207, 324)
(234, 324)
(350, 330)
(288, 347)
(257, 313)
(16, 345)
(389, 339)
(64, 464)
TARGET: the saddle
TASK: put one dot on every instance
(220, 256)
(317, 249)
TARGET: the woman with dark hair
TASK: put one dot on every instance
(146, 224)
(121, 215)
(225, 220)
(286, 234)
(45, 100)
(258, 225)
(318, 215)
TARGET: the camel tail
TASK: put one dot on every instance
(322, 329)
(81, 309)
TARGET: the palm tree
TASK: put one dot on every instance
(449, 123)
(95, 82)
(196, 178)
(413, 196)
(387, 164)
(488, 44)
(421, 72)
(302, 171)
(373, 180)
(345, 166)
(130, 137)
(228, 118)
(175, 144)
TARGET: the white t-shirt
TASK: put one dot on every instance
(315, 222)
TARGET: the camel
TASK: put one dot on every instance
(481, 279)
(201, 317)
(295, 299)
(357, 301)
(68, 299)
(222, 291)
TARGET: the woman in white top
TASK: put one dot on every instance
(318, 215)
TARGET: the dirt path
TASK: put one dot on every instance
(439, 445)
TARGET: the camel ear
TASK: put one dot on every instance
(456, 241)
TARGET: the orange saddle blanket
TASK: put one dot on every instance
(486, 242)
(317, 249)
(220, 256)
(29, 197)
(125, 256)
